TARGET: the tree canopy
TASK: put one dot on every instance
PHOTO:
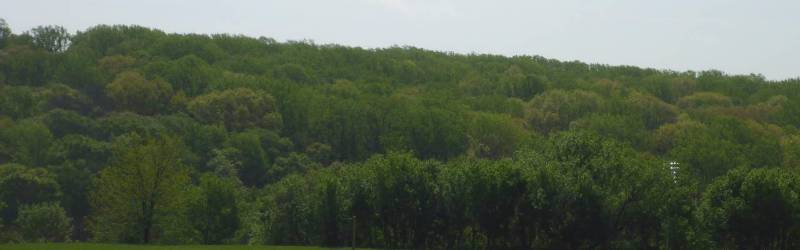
(129, 134)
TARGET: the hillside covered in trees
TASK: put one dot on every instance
(126, 134)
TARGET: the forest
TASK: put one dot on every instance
(127, 134)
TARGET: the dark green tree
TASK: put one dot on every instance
(44, 222)
(52, 38)
(21, 185)
(752, 209)
(5, 33)
(213, 209)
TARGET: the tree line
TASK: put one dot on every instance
(132, 135)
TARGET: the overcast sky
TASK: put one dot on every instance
(735, 36)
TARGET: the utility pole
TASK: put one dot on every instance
(354, 233)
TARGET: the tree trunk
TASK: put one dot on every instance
(146, 231)
(148, 221)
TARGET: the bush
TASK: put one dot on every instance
(44, 222)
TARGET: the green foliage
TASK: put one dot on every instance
(177, 46)
(495, 136)
(791, 152)
(75, 180)
(431, 132)
(44, 222)
(514, 83)
(97, 246)
(18, 102)
(59, 96)
(118, 39)
(753, 208)
(290, 164)
(143, 136)
(138, 193)
(23, 65)
(649, 109)
(110, 66)
(50, 38)
(130, 91)
(286, 215)
(213, 209)
(498, 104)
(62, 123)
(30, 141)
(580, 192)
(403, 189)
(5, 33)
(622, 128)
(250, 153)
(704, 99)
(321, 153)
(189, 74)
(344, 123)
(293, 72)
(555, 109)
(78, 68)
(706, 156)
(21, 185)
(117, 124)
(237, 109)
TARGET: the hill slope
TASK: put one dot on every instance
(283, 143)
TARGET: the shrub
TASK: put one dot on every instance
(44, 222)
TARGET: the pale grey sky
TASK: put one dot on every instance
(735, 36)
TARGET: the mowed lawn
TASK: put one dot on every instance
(88, 246)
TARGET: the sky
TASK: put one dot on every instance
(735, 36)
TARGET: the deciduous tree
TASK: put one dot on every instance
(52, 38)
(133, 196)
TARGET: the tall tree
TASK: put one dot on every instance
(52, 38)
(214, 209)
(5, 33)
(135, 193)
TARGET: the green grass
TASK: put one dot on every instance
(88, 246)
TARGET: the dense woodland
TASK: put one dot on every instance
(126, 134)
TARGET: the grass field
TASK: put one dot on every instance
(87, 246)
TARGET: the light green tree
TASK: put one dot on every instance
(131, 91)
(137, 192)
